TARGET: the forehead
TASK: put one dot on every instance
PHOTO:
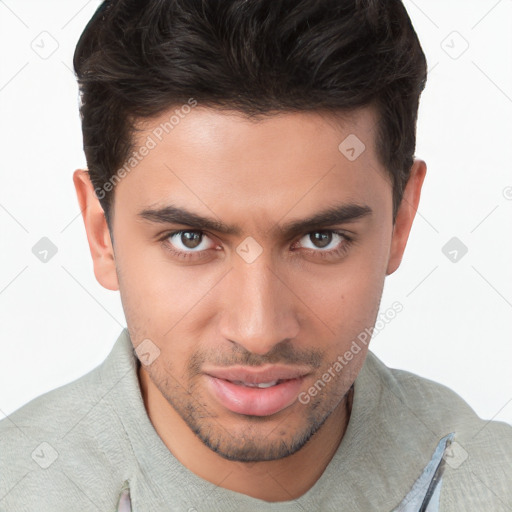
(229, 133)
(216, 161)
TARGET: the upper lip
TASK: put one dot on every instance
(252, 375)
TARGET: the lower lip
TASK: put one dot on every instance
(255, 401)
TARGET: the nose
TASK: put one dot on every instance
(259, 309)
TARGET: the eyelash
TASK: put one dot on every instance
(340, 251)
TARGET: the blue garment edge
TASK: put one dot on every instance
(425, 494)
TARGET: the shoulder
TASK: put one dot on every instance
(49, 413)
(63, 442)
(434, 403)
(478, 463)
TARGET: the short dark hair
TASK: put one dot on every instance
(137, 59)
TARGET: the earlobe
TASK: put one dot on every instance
(98, 235)
(406, 214)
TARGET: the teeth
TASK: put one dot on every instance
(260, 385)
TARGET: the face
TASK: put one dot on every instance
(245, 311)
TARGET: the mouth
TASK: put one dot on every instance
(256, 393)
(261, 385)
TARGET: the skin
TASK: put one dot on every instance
(288, 306)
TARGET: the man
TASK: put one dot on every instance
(251, 182)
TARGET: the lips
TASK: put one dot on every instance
(256, 391)
(258, 375)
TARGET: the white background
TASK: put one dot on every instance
(57, 322)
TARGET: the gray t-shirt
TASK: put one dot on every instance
(410, 445)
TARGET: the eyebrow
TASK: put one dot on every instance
(339, 214)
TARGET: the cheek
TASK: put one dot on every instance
(348, 293)
(148, 294)
(152, 280)
(344, 302)
(163, 301)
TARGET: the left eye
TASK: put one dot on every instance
(323, 239)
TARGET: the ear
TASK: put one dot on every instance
(96, 227)
(405, 215)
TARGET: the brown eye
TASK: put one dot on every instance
(190, 239)
(326, 244)
(189, 245)
(321, 239)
